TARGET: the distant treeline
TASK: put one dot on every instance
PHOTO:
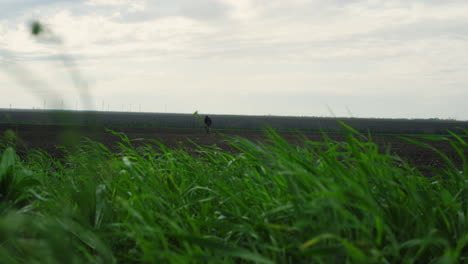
(109, 119)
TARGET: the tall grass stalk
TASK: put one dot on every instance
(270, 202)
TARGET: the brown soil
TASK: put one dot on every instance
(48, 137)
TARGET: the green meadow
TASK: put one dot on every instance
(267, 202)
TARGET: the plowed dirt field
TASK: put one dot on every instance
(48, 137)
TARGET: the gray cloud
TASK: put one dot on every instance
(370, 55)
(204, 9)
(12, 9)
(200, 10)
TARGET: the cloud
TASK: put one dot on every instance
(23, 9)
(129, 5)
(360, 47)
(204, 9)
(260, 29)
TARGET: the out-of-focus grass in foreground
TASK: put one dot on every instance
(327, 202)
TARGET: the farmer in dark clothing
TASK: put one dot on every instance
(207, 124)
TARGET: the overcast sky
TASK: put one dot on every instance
(357, 58)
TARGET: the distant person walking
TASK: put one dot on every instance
(207, 124)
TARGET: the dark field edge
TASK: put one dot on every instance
(292, 130)
(220, 130)
(55, 138)
(230, 122)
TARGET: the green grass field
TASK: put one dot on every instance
(324, 202)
